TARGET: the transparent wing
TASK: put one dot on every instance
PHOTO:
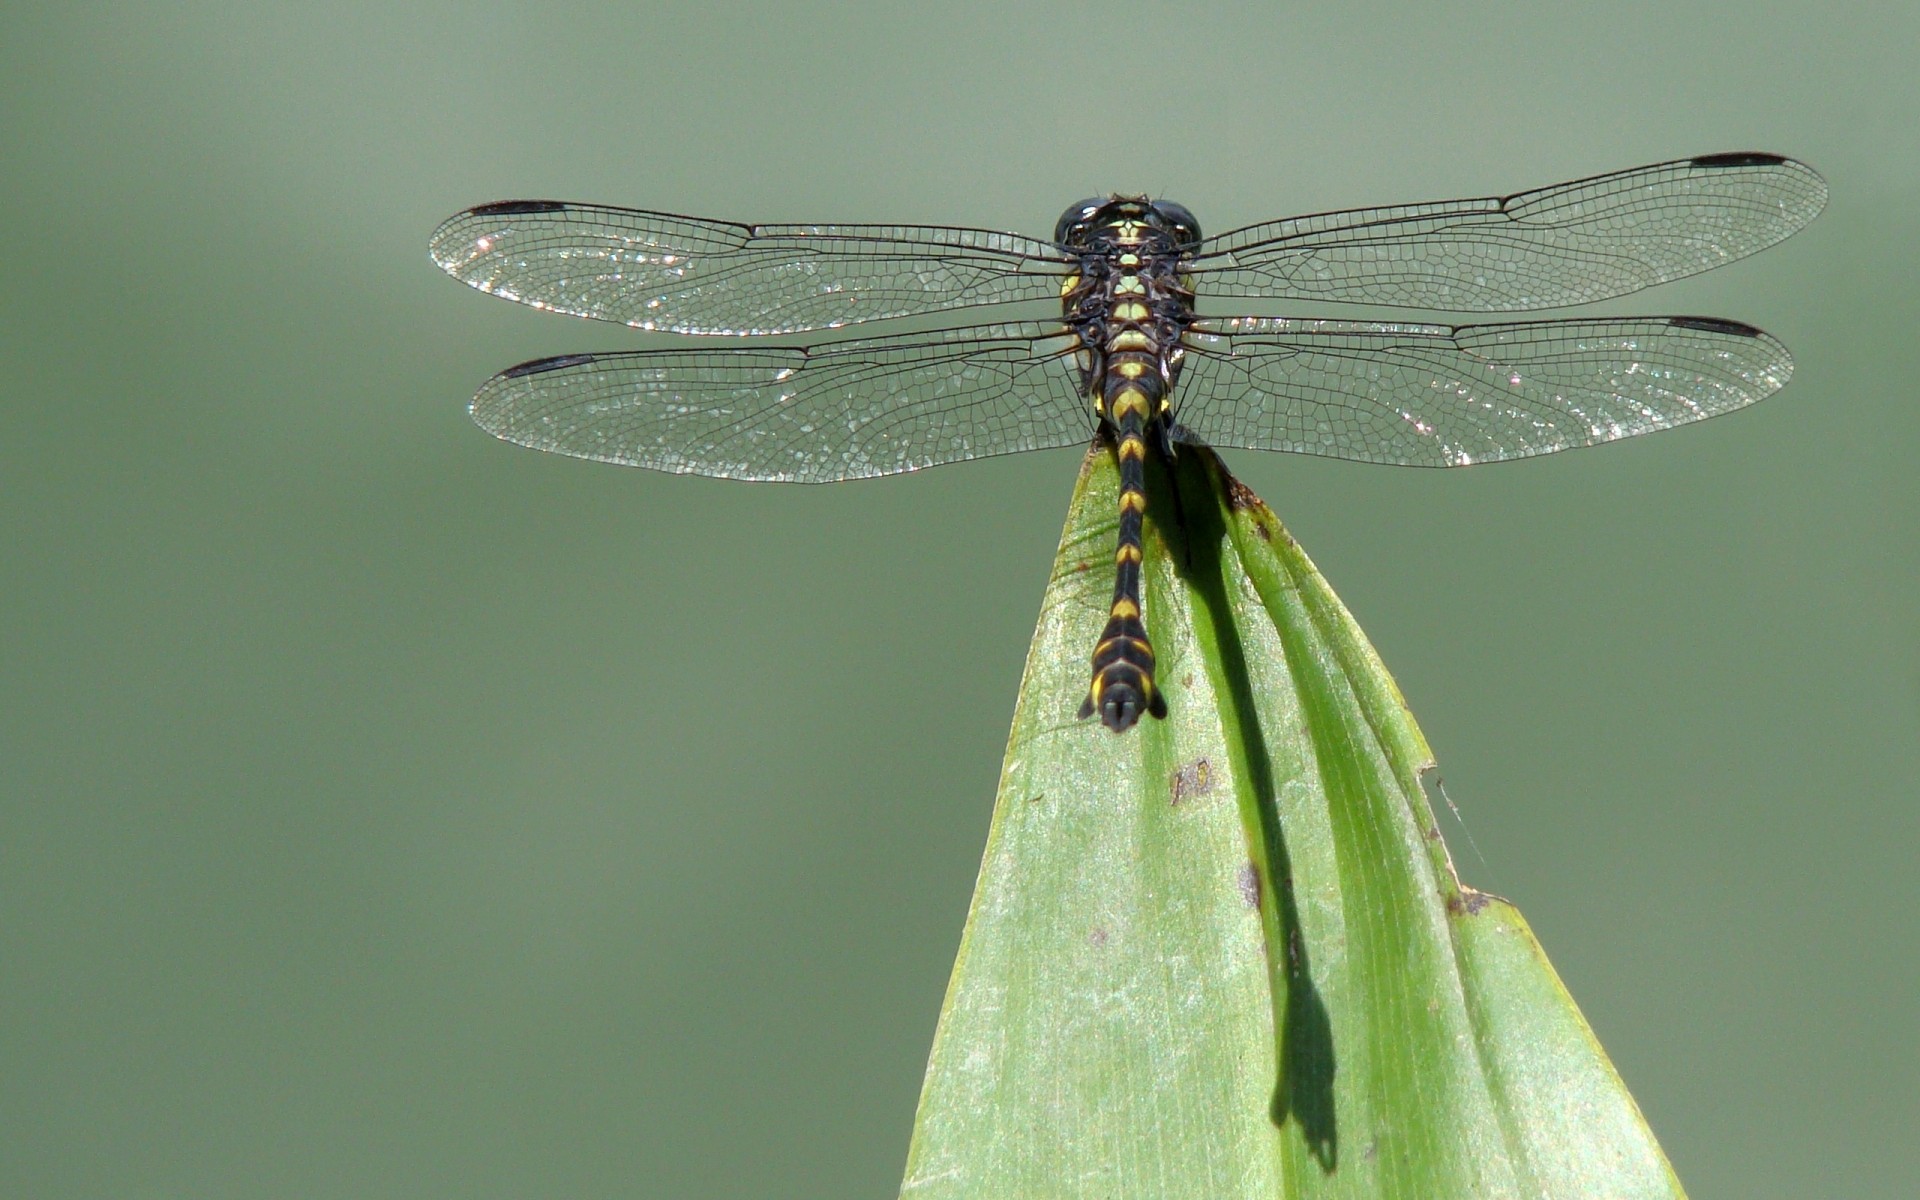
(1569, 244)
(687, 275)
(1444, 396)
(844, 411)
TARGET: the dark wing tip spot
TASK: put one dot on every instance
(514, 208)
(1740, 158)
(1715, 325)
(542, 365)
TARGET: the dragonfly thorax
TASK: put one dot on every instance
(1129, 302)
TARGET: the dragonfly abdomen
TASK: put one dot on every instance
(1123, 685)
(1139, 363)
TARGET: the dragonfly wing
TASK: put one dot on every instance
(848, 410)
(1568, 244)
(1446, 396)
(688, 275)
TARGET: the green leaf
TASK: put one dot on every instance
(1225, 954)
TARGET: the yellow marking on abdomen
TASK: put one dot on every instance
(1125, 608)
(1128, 400)
(1126, 554)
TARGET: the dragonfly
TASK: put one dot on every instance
(1131, 360)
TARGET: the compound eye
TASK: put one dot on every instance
(1183, 223)
(1075, 216)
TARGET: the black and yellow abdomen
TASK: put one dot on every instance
(1123, 684)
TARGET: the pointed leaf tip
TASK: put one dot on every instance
(1224, 954)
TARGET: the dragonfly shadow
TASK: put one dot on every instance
(1305, 1062)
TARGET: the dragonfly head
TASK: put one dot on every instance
(1097, 224)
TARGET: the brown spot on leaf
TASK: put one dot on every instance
(1241, 498)
(1250, 885)
(1097, 936)
(1467, 902)
(1194, 779)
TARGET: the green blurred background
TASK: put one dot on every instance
(387, 811)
